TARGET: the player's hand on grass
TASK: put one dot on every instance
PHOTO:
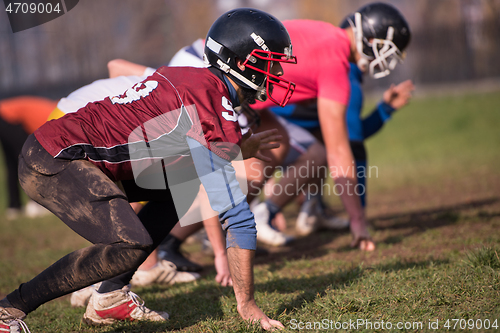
(253, 313)
(399, 95)
(361, 238)
(223, 276)
(252, 144)
(364, 244)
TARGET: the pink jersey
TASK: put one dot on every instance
(152, 118)
(322, 68)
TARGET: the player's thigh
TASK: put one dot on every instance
(304, 146)
(81, 195)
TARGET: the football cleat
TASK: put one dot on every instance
(12, 213)
(13, 326)
(313, 216)
(265, 233)
(164, 272)
(81, 297)
(169, 250)
(11, 319)
(327, 220)
(332, 222)
(119, 305)
(306, 222)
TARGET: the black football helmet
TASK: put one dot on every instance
(381, 34)
(258, 39)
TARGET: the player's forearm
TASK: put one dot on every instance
(343, 171)
(120, 67)
(215, 235)
(374, 122)
(241, 267)
(332, 116)
(350, 199)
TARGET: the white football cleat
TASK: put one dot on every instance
(313, 216)
(81, 297)
(306, 222)
(118, 305)
(11, 318)
(329, 221)
(164, 272)
(265, 233)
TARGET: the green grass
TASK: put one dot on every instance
(435, 211)
(436, 138)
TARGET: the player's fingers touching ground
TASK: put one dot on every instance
(271, 324)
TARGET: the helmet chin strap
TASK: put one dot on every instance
(261, 92)
(363, 62)
(226, 69)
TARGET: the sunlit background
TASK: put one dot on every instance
(455, 43)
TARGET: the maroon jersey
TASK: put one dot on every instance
(148, 122)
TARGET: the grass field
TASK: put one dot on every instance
(435, 211)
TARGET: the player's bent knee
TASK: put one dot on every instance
(126, 256)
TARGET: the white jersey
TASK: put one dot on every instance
(99, 90)
(190, 56)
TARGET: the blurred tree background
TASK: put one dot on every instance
(453, 40)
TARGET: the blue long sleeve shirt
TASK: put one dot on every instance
(360, 129)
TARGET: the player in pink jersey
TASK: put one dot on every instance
(161, 138)
(374, 38)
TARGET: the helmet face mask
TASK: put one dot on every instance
(271, 80)
(258, 40)
(386, 57)
(381, 35)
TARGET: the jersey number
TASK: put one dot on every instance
(136, 92)
(231, 115)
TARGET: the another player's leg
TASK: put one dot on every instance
(258, 172)
(298, 178)
(169, 249)
(12, 138)
(360, 233)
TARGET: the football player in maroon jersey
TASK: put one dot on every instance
(160, 139)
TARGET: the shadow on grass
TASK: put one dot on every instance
(402, 265)
(317, 286)
(306, 247)
(431, 218)
(201, 303)
(423, 220)
(313, 246)
(204, 302)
